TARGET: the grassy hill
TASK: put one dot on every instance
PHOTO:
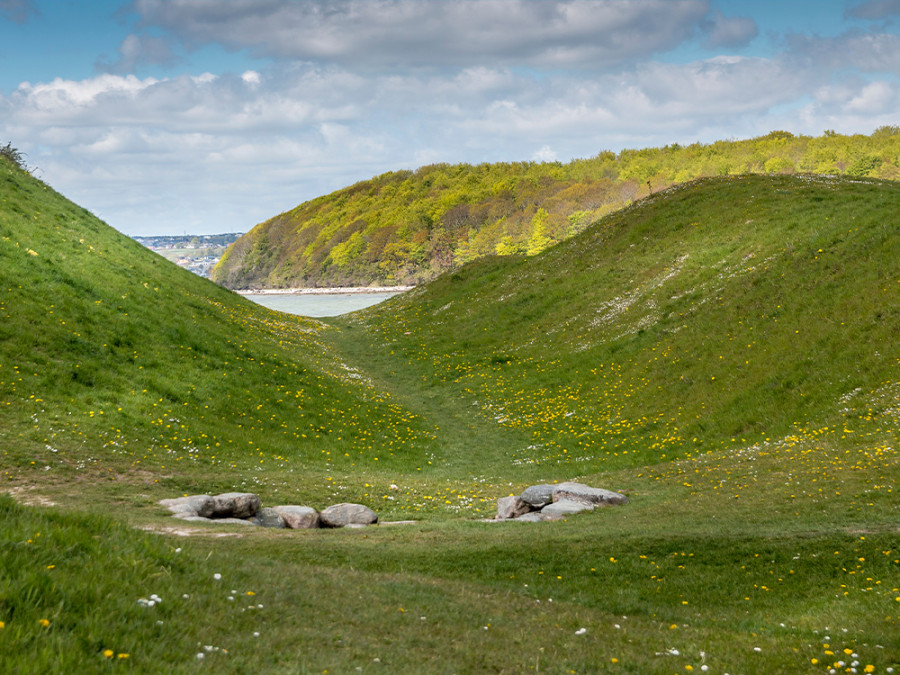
(725, 312)
(408, 227)
(724, 352)
(107, 346)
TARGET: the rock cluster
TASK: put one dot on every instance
(552, 502)
(244, 508)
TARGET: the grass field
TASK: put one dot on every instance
(725, 353)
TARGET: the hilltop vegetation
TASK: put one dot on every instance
(408, 227)
(724, 352)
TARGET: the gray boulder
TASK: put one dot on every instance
(235, 505)
(297, 517)
(341, 515)
(199, 505)
(587, 495)
(538, 496)
(511, 507)
(565, 507)
(268, 517)
(191, 516)
(535, 517)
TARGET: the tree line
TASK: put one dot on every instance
(406, 227)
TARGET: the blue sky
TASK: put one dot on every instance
(202, 116)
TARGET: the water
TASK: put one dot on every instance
(318, 304)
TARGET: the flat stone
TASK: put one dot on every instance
(538, 496)
(566, 507)
(298, 517)
(184, 508)
(341, 515)
(587, 495)
(535, 517)
(385, 523)
(511, 507)
(235, 504)
(202, 505)
(191, 516)
(231, 521)
(268, 517)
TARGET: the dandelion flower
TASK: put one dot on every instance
(44, 622)
(108, 653)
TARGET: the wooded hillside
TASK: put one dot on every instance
(406, 227)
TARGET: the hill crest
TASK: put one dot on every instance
(408, 227)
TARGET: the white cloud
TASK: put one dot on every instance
(878, 98)
(139, 50)
(871, 52)
(874, 9)
(729, 32)
(413, 33)
(209, 152)
(544, 154)
(62, 94)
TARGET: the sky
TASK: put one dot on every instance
(169, 117)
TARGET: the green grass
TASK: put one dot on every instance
(727, 314)
(724, 353)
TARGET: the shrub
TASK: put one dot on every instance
(13, 155)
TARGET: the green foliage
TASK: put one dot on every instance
(864, 166)
(408, 227)
(539, 239)
(13, 155)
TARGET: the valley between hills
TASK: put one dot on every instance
(723, 351)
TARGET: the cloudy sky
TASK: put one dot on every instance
(206, 116)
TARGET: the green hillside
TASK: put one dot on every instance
(722, 313)
(724, 352)
(106, 345)
(408, 227)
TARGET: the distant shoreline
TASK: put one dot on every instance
(346, 290)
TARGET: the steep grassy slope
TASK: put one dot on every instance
(408, 227)
(768, 544)
(110, 355)
(724, 314)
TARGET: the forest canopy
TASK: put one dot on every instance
(407, 227)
